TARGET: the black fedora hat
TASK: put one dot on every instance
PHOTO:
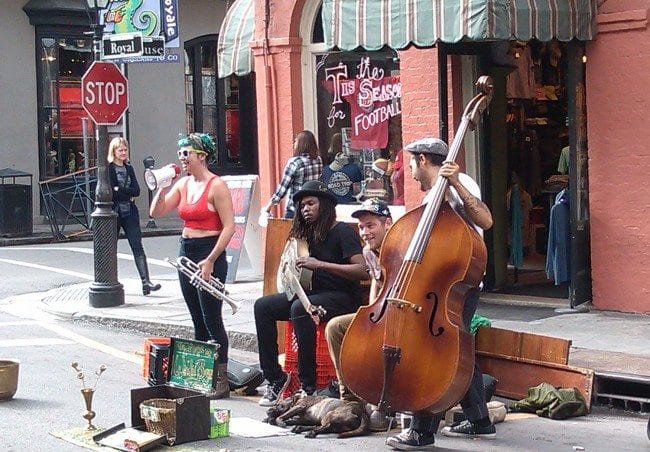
(313, 188)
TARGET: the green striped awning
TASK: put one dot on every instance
(233, 51)
(371, 24)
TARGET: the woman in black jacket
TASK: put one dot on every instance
(125, 190)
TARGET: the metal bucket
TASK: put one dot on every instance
(8, 378)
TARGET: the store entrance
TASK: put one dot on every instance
(536, 198)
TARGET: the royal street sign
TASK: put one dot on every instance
(124, 45)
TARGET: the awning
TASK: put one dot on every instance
(233, 51)
(371, 24)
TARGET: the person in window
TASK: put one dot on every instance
(125, 190)
(204, 204)
(305, 165)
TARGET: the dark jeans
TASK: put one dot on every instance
(473, 403)
(131, 226)
(272, 308)
(204, 308)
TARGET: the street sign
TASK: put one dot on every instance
(153, 46)
(122, 45)
(104, 93)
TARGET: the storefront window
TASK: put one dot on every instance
(217, 106)
(359, 123)
(64, 122)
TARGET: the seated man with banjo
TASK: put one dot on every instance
(332, 251)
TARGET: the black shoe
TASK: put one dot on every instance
(469, 429)
(274, 391)
(411, 440)
(148, 287)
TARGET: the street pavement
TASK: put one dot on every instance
(604, 341)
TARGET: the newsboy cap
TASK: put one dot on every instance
(314, 188)
(428, 146)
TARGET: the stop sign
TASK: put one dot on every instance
(104, 93)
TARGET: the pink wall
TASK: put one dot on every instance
(278, 84)
(618, 77)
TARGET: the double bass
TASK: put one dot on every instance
(410, 350)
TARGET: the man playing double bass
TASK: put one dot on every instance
(427, 163)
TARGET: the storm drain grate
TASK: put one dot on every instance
(622, 391)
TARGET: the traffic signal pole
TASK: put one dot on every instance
(105, 291)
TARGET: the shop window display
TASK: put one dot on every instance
(537, 134)
(64, 122)
(359, 102)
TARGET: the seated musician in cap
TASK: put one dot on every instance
(374, 220)
(428, 162)
(336, 259)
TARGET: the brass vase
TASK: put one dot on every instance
(89, 414)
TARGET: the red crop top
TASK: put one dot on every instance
(197, 215)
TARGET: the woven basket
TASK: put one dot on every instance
(160, 417)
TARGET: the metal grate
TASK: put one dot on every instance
(622, 391)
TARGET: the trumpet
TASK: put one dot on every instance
(214, 287)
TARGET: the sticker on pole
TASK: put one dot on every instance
(104, 93)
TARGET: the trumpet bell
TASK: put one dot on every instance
(214, 287)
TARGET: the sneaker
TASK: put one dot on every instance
(410, 440)
(468, 429)
(379, 422)
(274, 390)
(306, 391)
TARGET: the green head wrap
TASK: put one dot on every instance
(199, 141)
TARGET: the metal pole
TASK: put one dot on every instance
(105, 291)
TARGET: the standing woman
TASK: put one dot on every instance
(125, 190)
(305, 165)
(204, 204)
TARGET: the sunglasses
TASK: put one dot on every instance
(184, 153)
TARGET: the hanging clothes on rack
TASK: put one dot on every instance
(516, 225)
(558, 252)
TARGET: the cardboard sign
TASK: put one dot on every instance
(244, 251)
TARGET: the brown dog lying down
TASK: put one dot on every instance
(320, 414)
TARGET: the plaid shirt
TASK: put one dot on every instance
(299, 169)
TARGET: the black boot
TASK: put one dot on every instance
(141, 265)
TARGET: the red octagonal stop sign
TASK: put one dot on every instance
(104, 93)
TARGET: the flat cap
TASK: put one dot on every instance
(428, 146)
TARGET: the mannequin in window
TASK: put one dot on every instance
(341, 176)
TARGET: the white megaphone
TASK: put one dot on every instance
(162, 177)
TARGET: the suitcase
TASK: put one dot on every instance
(244, 377)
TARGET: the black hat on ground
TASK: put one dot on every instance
(314, 188)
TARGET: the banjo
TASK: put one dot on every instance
(293, 280)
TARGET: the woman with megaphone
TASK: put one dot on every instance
(204, 204)
(125, 190)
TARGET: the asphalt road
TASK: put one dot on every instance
(49, 399)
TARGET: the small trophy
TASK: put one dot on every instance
(88, 392)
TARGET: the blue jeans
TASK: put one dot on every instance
(205, 309)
